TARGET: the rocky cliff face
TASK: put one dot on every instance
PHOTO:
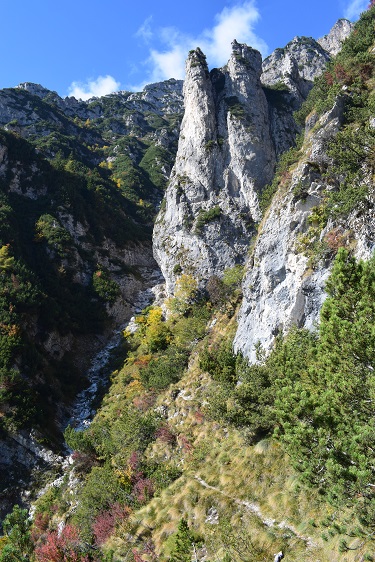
(280, 288)
(284, 281)
(225, 157)
(162, 98)
(66, 124)
(288, 75)
(332, 42)
(237, 121)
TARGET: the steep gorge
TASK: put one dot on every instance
(156, 432)
(79, 184)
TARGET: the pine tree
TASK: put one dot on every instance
(19, 545)
(326, 409)
(185, 542)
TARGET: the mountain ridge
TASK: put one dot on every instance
(88, 197)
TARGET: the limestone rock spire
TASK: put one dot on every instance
(225, 157)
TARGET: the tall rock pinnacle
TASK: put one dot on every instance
(225, 157)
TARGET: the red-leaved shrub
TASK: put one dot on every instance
(106, 522)
(62, 547)
(143, 489)
(165, 434)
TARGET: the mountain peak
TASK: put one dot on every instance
(247, 56)
(35, 89)
(332, 42)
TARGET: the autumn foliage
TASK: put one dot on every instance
(62, 547)
(107, 521)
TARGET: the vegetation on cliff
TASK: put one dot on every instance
(195, 453)
(178, 457)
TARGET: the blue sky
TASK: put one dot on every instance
(86, 48)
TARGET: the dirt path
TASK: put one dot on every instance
(255, 509)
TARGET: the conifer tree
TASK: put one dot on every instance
(18, 545)
(184, 543)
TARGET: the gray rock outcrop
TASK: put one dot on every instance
(225, 157)
(296, 66)
(288, 75)
(33, 111)
(332, 42)
(281, 286)
(237, 121)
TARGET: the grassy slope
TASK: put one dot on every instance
(260, 504)
(256, 500)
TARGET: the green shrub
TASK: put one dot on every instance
(232, 276)
(282, 175)
(205, 217)
(107, 289)
(165, 369)
(187, 330)
(209, 145)
(351, 149)
(101, 491)
(177, 270)
(19, 545)
(220, 362)
(235, 107)
(154, 159)
(57, 237)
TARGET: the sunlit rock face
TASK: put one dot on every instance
(237, 121)
(332, 42)
(281, 287)
(225, 157)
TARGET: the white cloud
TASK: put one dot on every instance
(168, 64)
(236, 22)
(355, 8)
(145, 32)
(232, 23)
(102, 86)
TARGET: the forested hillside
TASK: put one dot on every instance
(211, 442)
(78, 193)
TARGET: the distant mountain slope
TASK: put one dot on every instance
(79, 187)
